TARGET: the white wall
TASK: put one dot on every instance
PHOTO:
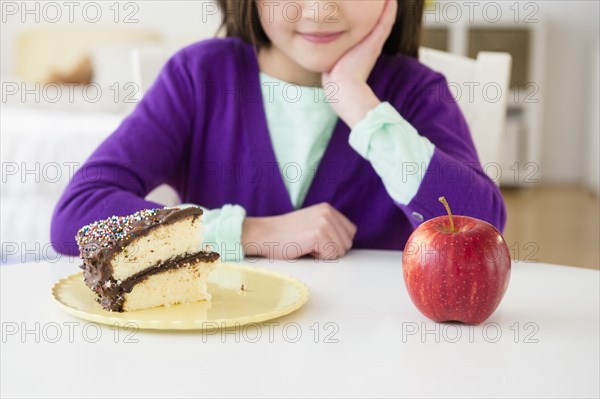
(592, 141)
(573, 31)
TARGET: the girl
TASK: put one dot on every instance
(311, 129)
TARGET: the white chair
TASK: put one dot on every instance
(147, 62)
(481, 88)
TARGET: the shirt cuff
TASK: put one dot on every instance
(397, 152)
(375, 120)
(223, 231)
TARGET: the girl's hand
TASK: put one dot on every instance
(358, 62)
(354, 98)
(319, 230)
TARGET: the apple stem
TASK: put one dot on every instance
(443, 201)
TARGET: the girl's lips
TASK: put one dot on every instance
(320, 37)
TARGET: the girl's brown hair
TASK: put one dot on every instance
(241, 19)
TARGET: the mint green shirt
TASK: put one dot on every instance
(301, 122)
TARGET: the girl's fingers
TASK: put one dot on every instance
(345, 237)
(376, 39)
(335, 246)
(390, 12)
(388, 17)
(365, 53)
(328, 247)
(348, 226)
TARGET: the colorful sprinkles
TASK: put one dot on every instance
(105, 234)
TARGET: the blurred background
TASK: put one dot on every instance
(71, 72)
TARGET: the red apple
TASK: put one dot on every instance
(456, 268)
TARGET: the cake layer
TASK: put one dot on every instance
(145, 288)
(158, 245)
(186, 284)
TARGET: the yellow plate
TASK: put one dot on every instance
(266, 295)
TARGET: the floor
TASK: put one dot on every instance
(553, 224)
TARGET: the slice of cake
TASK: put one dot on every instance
(148, 259)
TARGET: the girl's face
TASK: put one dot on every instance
(316, 33)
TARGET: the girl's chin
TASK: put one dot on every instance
(317, 66)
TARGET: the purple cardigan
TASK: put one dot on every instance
(201, 128)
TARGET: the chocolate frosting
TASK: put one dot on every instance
(100, 242)
(104, 238)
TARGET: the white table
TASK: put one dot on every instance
(376, 342)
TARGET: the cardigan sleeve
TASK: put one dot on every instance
(147, 149)
(395, 149)
(427, 153)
